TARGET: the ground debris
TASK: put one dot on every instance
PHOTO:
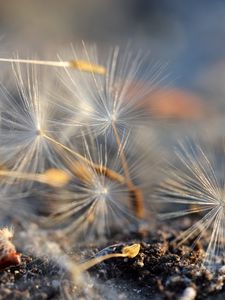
(162, 270)
(159, 271)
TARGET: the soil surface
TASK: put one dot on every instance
(160, 271)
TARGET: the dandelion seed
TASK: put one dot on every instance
(129, 251)
(23, 117)
(197, 186)
(80, 169)
(97, 201)
(76, 64)
(28, 125)
(109, 103)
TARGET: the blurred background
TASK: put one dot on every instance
(189, 35)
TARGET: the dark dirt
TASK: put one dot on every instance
(160, 271)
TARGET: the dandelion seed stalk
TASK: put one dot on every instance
(136, 193)
(127, 251)
(75, 64)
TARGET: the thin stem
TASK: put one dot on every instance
(76, 64)
(79, 156)
(136, 193)
(127, 251)
(97, 260)
(137, 200)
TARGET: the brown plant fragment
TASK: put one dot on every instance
(8, 253)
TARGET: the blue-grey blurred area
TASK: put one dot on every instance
(190, 35)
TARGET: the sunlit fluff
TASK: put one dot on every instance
(97, 200)
(197, 186)
(25, 114)
(114, 101)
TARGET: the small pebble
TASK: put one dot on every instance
(55, 283)
(188, 294)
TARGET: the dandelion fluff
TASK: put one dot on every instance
(197, 186)
(97, 201)
(114, 101)
(25, 113)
